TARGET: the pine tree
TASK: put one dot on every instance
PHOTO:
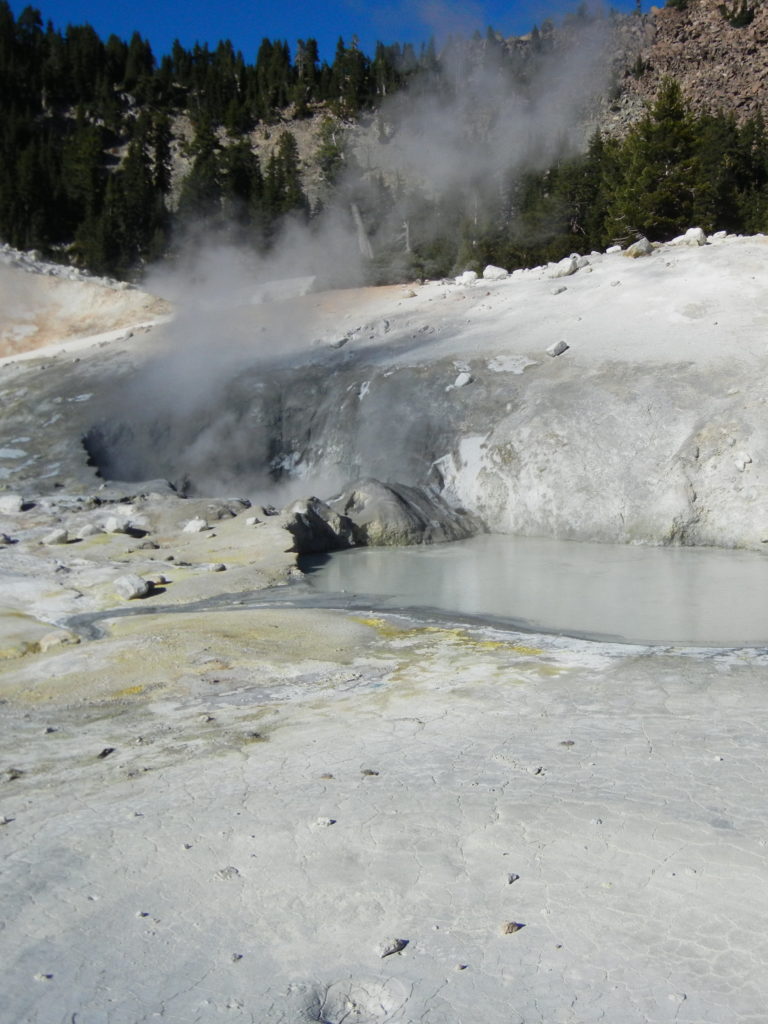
(201, 192)
(659, 185)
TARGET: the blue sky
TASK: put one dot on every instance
(246, 22)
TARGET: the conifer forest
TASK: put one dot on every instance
(89, 174)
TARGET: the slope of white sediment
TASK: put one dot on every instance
(46, 307)
(217, 811)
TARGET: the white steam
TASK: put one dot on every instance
(484, 122)
(243, 320)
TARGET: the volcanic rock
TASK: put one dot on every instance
(387, 514)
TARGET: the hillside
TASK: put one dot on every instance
(431, 161)
(715, 51)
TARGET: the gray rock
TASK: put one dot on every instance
(89, 530)
(642, 247)
(391, 514)
(59, 536)
(116, 524)
(492, 273)
(10, 504)
(557, 348)
(693, 236)
(564, 268)
(196, 525)
(132, 586)
(390, 946)
(316, 527)
(468, 277)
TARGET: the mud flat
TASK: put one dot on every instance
(235, 813)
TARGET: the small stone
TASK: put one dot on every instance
(567, 743)
(227, 874)
(252, 521)
(369, 771)
(5, 820)
(106, 752)
(49, 729)
(323, 822)
(326, 775)
(236, 957)
(390, 946)
(510, 927)
(461, 967)
(512, 877)
(557, 348)
(43, 977)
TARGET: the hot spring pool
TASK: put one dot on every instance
(666, 595)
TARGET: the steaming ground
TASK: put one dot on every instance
(220, 809)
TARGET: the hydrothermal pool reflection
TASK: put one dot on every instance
(700, 596)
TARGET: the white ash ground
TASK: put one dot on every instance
(231, 813)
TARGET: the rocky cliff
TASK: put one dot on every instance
(716, 51)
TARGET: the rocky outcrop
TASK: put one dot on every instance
(716, 51)
(317, 528)
(374, 514)
(390, 514)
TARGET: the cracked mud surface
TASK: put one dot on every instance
(307, 784)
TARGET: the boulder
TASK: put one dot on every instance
(116, 524)
(58, 536)
(468, 277)
(492, 273)
(461, 381)
(89, 530)
(564, 268)
(316, 527)
(196, 525)
(132, 586)
(642, 247)
(10, 504)
(693, 236)
(390, 514)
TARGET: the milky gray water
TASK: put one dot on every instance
(697, 596)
